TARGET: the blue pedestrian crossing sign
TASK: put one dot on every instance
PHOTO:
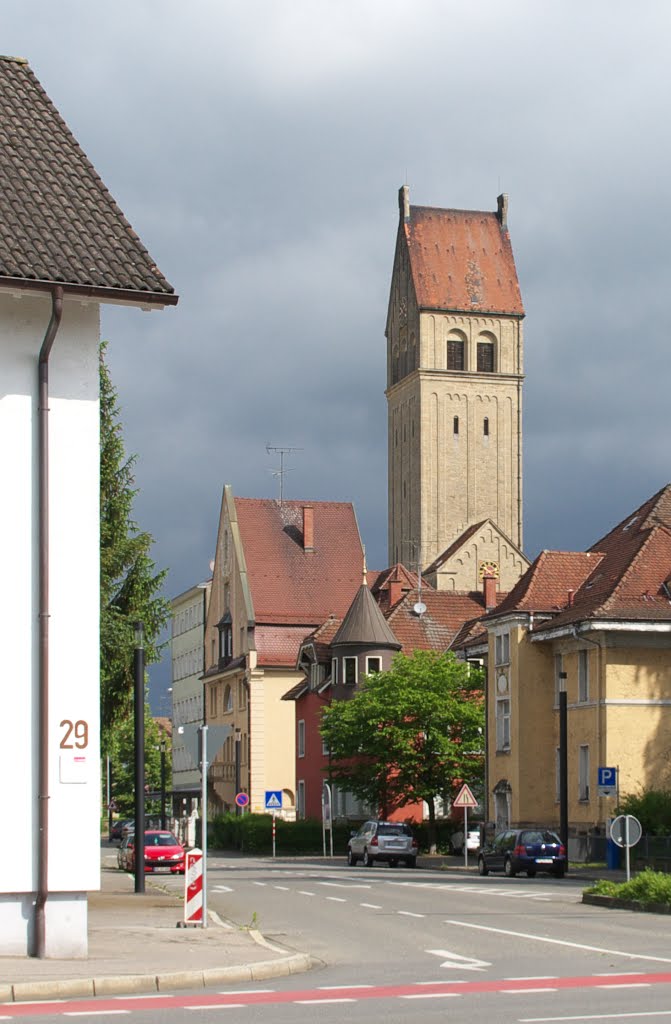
(273, 799)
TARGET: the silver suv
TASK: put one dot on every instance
(389, 841)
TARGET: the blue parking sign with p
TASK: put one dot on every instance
(607, 777)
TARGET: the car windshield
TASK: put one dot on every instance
(528, 838)
(160, 839)
(387, 829)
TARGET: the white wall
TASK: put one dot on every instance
(74, 806)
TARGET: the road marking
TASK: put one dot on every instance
(222, 888)
(217, 1006)
(408, 913)
(433, 995)
(282, 888)
(337, 988)
(260, 883)
(304, 892)
(597, 1016)
(540, 977)
(244, 992)
(91, 1013)
(345, 885)
(523, 991)
(336, 899)
(628, 984)
(371, 906)
(313, 1002)
(466, 963)
(560, 942)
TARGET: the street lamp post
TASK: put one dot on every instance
(138, 675)
(238, 737)
(163, 750)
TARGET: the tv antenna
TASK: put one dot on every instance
(281, 450)
(419, 607)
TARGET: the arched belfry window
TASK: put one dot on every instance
(455, 353)
(485, 355)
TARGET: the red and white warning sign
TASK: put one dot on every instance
(193, 887)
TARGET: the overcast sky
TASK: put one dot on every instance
(257, 148)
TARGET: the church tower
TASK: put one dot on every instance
(454, 390)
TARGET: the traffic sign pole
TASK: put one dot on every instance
(465, 836)
(273, 833)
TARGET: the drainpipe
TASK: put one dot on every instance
(43, 707)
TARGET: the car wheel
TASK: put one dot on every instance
(411, 862)
(482, 867)
(351, 859)
(559, 872)
(393, 862)
(508, 868)
(531, 874)
(367, 859)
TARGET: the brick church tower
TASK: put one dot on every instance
(454, 394)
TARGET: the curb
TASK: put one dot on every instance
(616, 903)
(131, 983)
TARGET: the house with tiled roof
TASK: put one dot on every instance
(65, 249)
(596, 625)
(395, 613)
(281, 570)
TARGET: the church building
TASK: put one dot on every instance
(454, 394)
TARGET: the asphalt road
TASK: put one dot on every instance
(404, 945)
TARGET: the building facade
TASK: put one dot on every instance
(454, 385)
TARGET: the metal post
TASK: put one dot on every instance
(465, 836)
(563, 771)
(203, 814)
(138, 675)
(109, 798)
(238, 738)
(626, 843)
(163, 825)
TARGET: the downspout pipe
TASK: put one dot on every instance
(43, 661)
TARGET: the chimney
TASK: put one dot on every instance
(404, 203)
(395, 592)
(489, 588)
(570, 599)
(308, 528)
(502, 210)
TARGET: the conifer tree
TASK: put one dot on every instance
(129, 583)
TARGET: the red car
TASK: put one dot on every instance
(162, 852)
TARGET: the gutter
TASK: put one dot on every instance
(138, 298)
(43, 700)
(624, 626)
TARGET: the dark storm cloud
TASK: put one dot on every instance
(257, 148)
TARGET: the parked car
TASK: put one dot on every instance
(527, 849)
(122, 852)
(472, 840)
(162, 852)
(116, 833)
(383, 841)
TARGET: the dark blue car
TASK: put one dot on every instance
(524, 849)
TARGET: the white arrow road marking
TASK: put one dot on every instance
(466, 963)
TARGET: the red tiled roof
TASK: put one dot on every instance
(289, 584)
(446, 612)
(396, 577)
(546, 584)
(462, 260)
(277, 646)
(58, 222)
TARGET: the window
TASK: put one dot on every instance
(485, 426)
(226, 638)
(300, 799)
(213, 700)
(502, 649)
(373, 665)
(350, 671)
(485, 357)
(560, 677)
(455, 426)
(503, 724)
(334, 671)
(325, 748)
(583, 774)
(228, 700)
(316, 675)
(301, 738)
(583, 676)
(455, 354)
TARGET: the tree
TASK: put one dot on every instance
(409, 734)
(121, 751)
(129, 584)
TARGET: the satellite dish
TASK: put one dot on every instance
(419, 608)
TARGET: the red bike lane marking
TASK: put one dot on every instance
(461, 988)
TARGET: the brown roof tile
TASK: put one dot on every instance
(364, 623)
(278, 646)
(462, 260)
(58, 222)
(436, 628)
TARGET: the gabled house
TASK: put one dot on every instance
(65, 250)
(596, 624)
(281, 569)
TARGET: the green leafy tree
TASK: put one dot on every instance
(129, 583)
(409, 734)
(122, 755)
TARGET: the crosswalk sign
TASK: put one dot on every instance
(273, 799)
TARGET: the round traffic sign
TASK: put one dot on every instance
(242, 799)
(626, 830)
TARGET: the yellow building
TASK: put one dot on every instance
(596, 624)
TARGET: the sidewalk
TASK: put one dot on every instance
(136, 946)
